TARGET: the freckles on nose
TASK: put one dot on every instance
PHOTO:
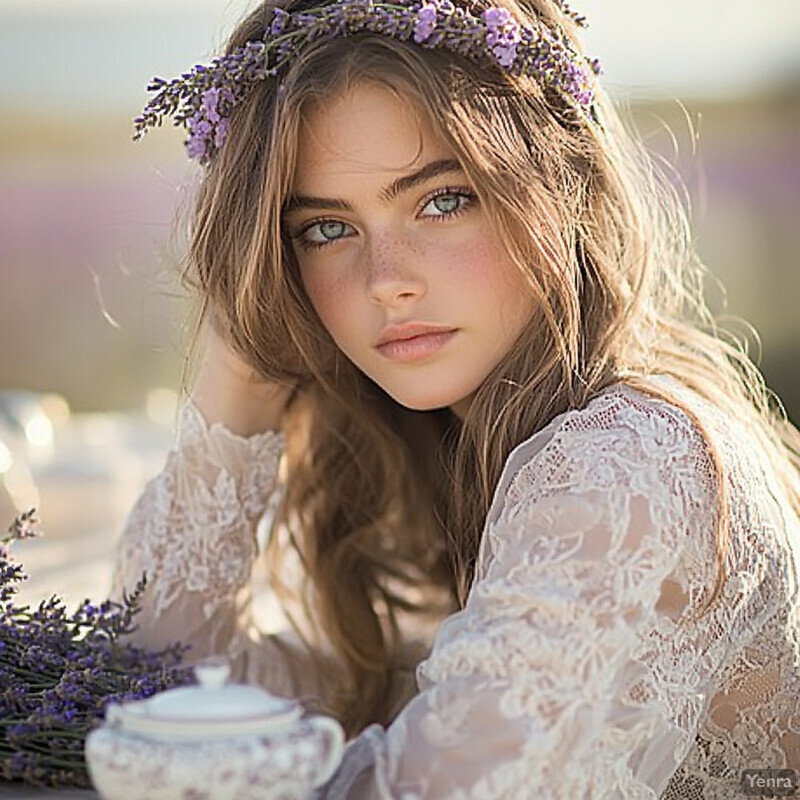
(390, 256)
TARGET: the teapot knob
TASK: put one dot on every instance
(212, 672)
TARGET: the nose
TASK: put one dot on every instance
(393, 271)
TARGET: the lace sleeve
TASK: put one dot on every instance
(544, 685)
(193, 532)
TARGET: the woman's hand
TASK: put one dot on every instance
(229, 391)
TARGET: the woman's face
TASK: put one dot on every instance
(396, 254)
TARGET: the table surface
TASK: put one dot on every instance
(13, 791)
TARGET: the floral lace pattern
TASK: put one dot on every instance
(214, 481)
(193, 532)
(575, 669)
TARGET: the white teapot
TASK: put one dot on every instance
(212, 742)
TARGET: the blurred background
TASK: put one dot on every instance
(92, 317)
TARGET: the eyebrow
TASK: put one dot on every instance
(402, 184)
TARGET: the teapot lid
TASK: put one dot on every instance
(211, 709)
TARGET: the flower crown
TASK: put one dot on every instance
(202, 99)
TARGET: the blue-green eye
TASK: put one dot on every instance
(448, 203)
(332, 230)
(322, 233)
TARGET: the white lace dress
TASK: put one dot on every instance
(568, 674)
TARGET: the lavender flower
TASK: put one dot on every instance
(279, 19)
(58, 671)
(210, 101)
(578, 19)
(202, 99)
(502, 35)
(425, 23)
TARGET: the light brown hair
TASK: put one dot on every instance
(385, 506)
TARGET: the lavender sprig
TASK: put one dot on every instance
(58, 671)
(202, 99)
(578, 19)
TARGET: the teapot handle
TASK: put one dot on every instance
(334, 730)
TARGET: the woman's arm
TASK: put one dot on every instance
(192, 531)
(560, 678)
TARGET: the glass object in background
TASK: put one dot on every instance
(83, 472)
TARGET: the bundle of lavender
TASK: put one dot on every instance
(59, 670)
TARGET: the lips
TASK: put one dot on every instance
(414, 342)
(409, 330)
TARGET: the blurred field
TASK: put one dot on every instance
(87, 299)
(743, 178)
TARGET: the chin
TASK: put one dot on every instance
(423, 400)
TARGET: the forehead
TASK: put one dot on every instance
(367, 130)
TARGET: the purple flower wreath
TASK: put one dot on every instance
(202, 99)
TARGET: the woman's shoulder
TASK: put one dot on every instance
(649, 410)
(628, 455)
(666, 444)
(635, 430)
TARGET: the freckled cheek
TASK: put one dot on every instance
(331, 297)
(483, 268)
(492, 286)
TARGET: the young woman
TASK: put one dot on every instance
(535, 521)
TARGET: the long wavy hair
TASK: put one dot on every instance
(385, 506)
